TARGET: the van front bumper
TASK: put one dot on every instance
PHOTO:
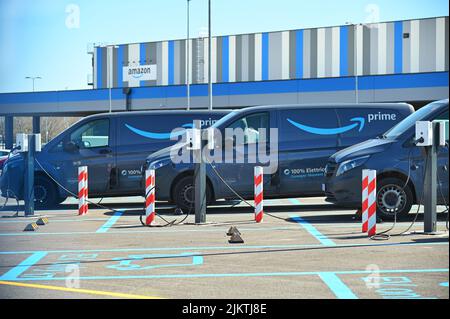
(344, 190)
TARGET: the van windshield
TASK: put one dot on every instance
(224, 119)
(411, 120)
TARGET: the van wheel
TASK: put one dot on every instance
(393, 197)
(44, 193)
(184, 194)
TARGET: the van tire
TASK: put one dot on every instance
(392, 194)
(44, 193)
(183, 190)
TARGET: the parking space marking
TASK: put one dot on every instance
(78, 290)
(53, 220)
(16, 271)
(324, 240)
(110, 222)
(130, 262)
(230, 247)
(232, 275)
(154, 231)
(341, 290)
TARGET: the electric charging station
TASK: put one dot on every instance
(197, 144)
(430, 136)
(28, 145)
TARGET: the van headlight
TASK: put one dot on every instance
(160, 163)
(351, 164)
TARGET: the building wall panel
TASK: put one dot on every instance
(412, 46)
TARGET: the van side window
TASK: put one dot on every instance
(92, 134)
(250, 124)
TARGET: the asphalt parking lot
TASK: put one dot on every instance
(319, 253)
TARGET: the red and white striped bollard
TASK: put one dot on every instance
(369, 202)
(259, 198)
(365, 200)
(82, 190)
(149, 196)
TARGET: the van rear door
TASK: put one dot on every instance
(138, 136)
(307, 138)
(89, 144)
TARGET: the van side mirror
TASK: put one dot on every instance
(71, 147)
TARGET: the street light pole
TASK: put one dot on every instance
(209, 58)
(355, 58)
(188, 75)
(33, 78)
(356, 64)
(110, 76)
(110, 49)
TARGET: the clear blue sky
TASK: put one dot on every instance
(38, 37)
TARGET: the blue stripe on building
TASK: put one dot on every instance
(142, 58)
(225, 59)
(381, 82)
(398, 47)
(171, 62)
(99, 67)
(120, 66)
(265, 56)
(343, 55)
(299, 55)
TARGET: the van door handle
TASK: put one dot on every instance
(105, 151)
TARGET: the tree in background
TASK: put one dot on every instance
(50, 126)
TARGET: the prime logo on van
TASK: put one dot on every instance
(360, 123)
(158, 136)
(330, 131)
(372, 117)
(168, 135)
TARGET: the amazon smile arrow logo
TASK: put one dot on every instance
(331, 131)
(157, 136)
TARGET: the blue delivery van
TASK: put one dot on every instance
(307, 136)
(399, 164)
(114, 146)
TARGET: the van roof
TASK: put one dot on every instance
(260, 107)
(332, 105)
(159, 112)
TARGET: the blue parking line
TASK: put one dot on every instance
(324, 240)
(228, 275)
(341, 290)
(228, 247)
(15, 272)
(110, 222)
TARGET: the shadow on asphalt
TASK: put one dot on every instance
(325, 211)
